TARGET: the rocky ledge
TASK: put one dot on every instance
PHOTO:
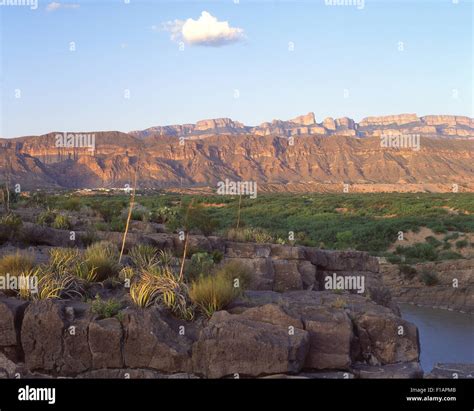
(311, 334)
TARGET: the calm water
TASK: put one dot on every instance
(445, 336)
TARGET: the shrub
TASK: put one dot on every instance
(217, 256)
(429, 278)
(102, 257)
(61, 222)
(89, 237)
(106, 308)
(212, 293)
(234, 270)
(462, 243)
(164, 215)
(200, 264)
(446, 245)
(10, 225)
(144, 256)
(262, 237)
(449, 255)
(248, 234)
(419, 251)
(106, 210)
(140, 215)
(199, 219)
(394, 259)
(407, 271)
(344, 239)
(452, 236)
(72, 204)
(46, 218)
(11, 222)
(116, 225)
(433, 241)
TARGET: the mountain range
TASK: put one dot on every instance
(294, 155)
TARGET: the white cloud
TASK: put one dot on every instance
(205, 31)
(53, 6)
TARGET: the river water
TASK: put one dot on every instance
(445, 336)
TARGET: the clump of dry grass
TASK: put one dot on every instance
(212, 293)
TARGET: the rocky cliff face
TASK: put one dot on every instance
(454, 290)
(307, 125)
(322, 156)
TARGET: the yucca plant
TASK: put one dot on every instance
(143, 292)
(85, 272)
(63, 260)
(144, 256)
(51, 286)
(166, 258)
(161, 286)
(61, 222)
(127, 274)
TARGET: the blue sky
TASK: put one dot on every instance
(123, 46)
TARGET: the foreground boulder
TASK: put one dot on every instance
(150, 342)
(308, 333)
(343, 328)
(231, 345)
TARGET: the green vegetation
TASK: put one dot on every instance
(106, 308)
(429, 278)
(407, 271)
(462, 243)
(161, 285)
(236, 273)
(144, 256)
(103, 258)
(200, 264)
(61, 222)
(365, 222)
(212, 293)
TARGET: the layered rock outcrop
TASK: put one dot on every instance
(287, 324)
(264, 333)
